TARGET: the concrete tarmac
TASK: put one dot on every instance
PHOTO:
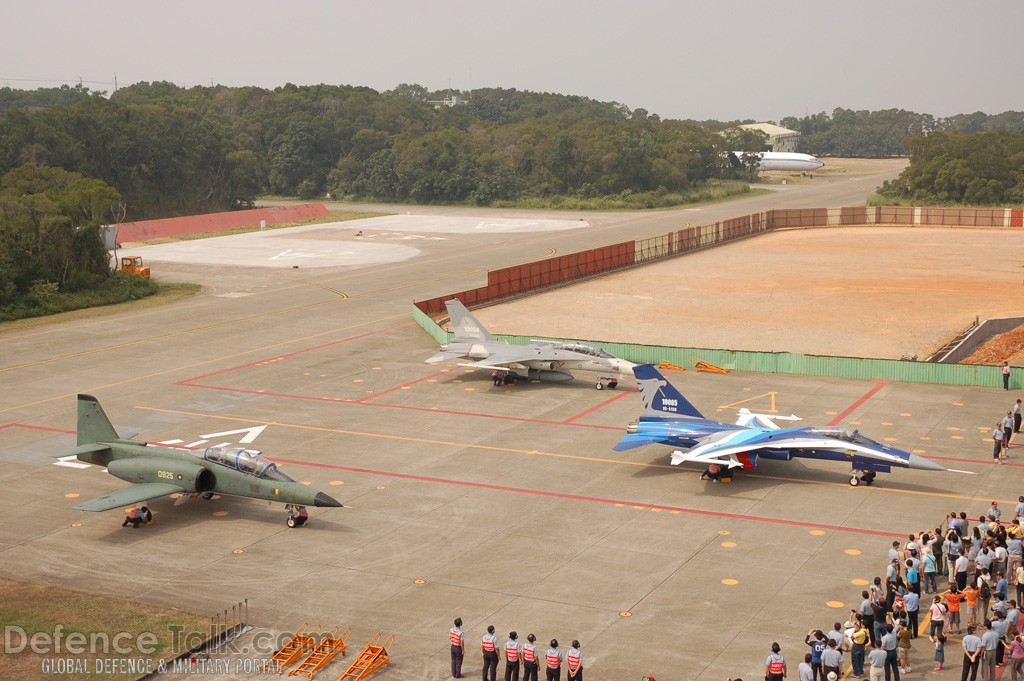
(503, 506)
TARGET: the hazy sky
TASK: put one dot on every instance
(678, 58)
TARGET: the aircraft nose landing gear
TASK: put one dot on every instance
(613, 383)
(867, 478)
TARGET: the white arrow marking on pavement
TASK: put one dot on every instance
(71, 462)
(253, 433)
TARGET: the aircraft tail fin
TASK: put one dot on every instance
(93, 424)
(464, 324)
(661, 397)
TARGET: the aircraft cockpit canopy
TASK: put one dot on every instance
(248, 461)
(847, 435)
(583, 349)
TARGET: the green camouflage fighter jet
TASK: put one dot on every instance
(156, 471)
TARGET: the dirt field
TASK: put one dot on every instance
(863, 292)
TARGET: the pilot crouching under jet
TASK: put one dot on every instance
(717, 473)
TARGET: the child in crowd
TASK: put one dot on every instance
(940, 652)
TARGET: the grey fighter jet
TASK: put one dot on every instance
(540, 360)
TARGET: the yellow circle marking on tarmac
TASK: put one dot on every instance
(307, 483)
(917, 451)
(852, 552)
(335, 483)
(639, 508)
(886, 423)
(728, 544)
(925, 437)
(431, 380)
(655, 510)
(76, 524)
(380, 486)
(675, 512)
(469, 390)
(724, 532)
(357, 380)
(958, 404)
(831, 413)
(625, 613)
(408, 387)
(620, 505)
(746, 390)
(859, 582)
(956, 437)
(376, 368)
(220, 514)
(952, 428)
(855, 423)
(906, 414)
(817, 533)
(730, 582)
(238, 551)
(890, 439)
(72, 495)
(834, 604)
(982, 429)
(420, 581)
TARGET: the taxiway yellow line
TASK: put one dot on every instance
(531, 452)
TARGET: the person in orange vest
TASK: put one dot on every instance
(458, 641)
(489, 643)
(513, 653)
(554, 660)
(574, 662)
(530, 659)
(775, 665)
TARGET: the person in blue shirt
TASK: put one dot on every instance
(817, 645)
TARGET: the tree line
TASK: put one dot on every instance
(171, 150)
(979, 169)
(880, 134)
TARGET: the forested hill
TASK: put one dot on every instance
(170, 150)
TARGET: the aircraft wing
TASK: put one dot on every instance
(127, 496)
(501, 360)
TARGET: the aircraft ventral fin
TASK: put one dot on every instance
(130, 495)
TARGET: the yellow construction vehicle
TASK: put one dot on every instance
(132, 264)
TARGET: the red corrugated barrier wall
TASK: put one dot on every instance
(214, 222)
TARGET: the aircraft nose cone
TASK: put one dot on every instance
(922, 463)
(322, 499)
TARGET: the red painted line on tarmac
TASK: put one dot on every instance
(864, 398)
(30, 427)
(188, 381)
(410, 407)
(571, 419)
(365, 400)
(982, 462)
(600, 500)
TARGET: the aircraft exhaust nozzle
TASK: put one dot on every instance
(322, 499)
(924, 464)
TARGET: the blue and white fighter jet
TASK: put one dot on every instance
(670, 419)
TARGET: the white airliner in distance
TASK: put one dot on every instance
(782, 160)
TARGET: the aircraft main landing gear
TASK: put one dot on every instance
(613, 383)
